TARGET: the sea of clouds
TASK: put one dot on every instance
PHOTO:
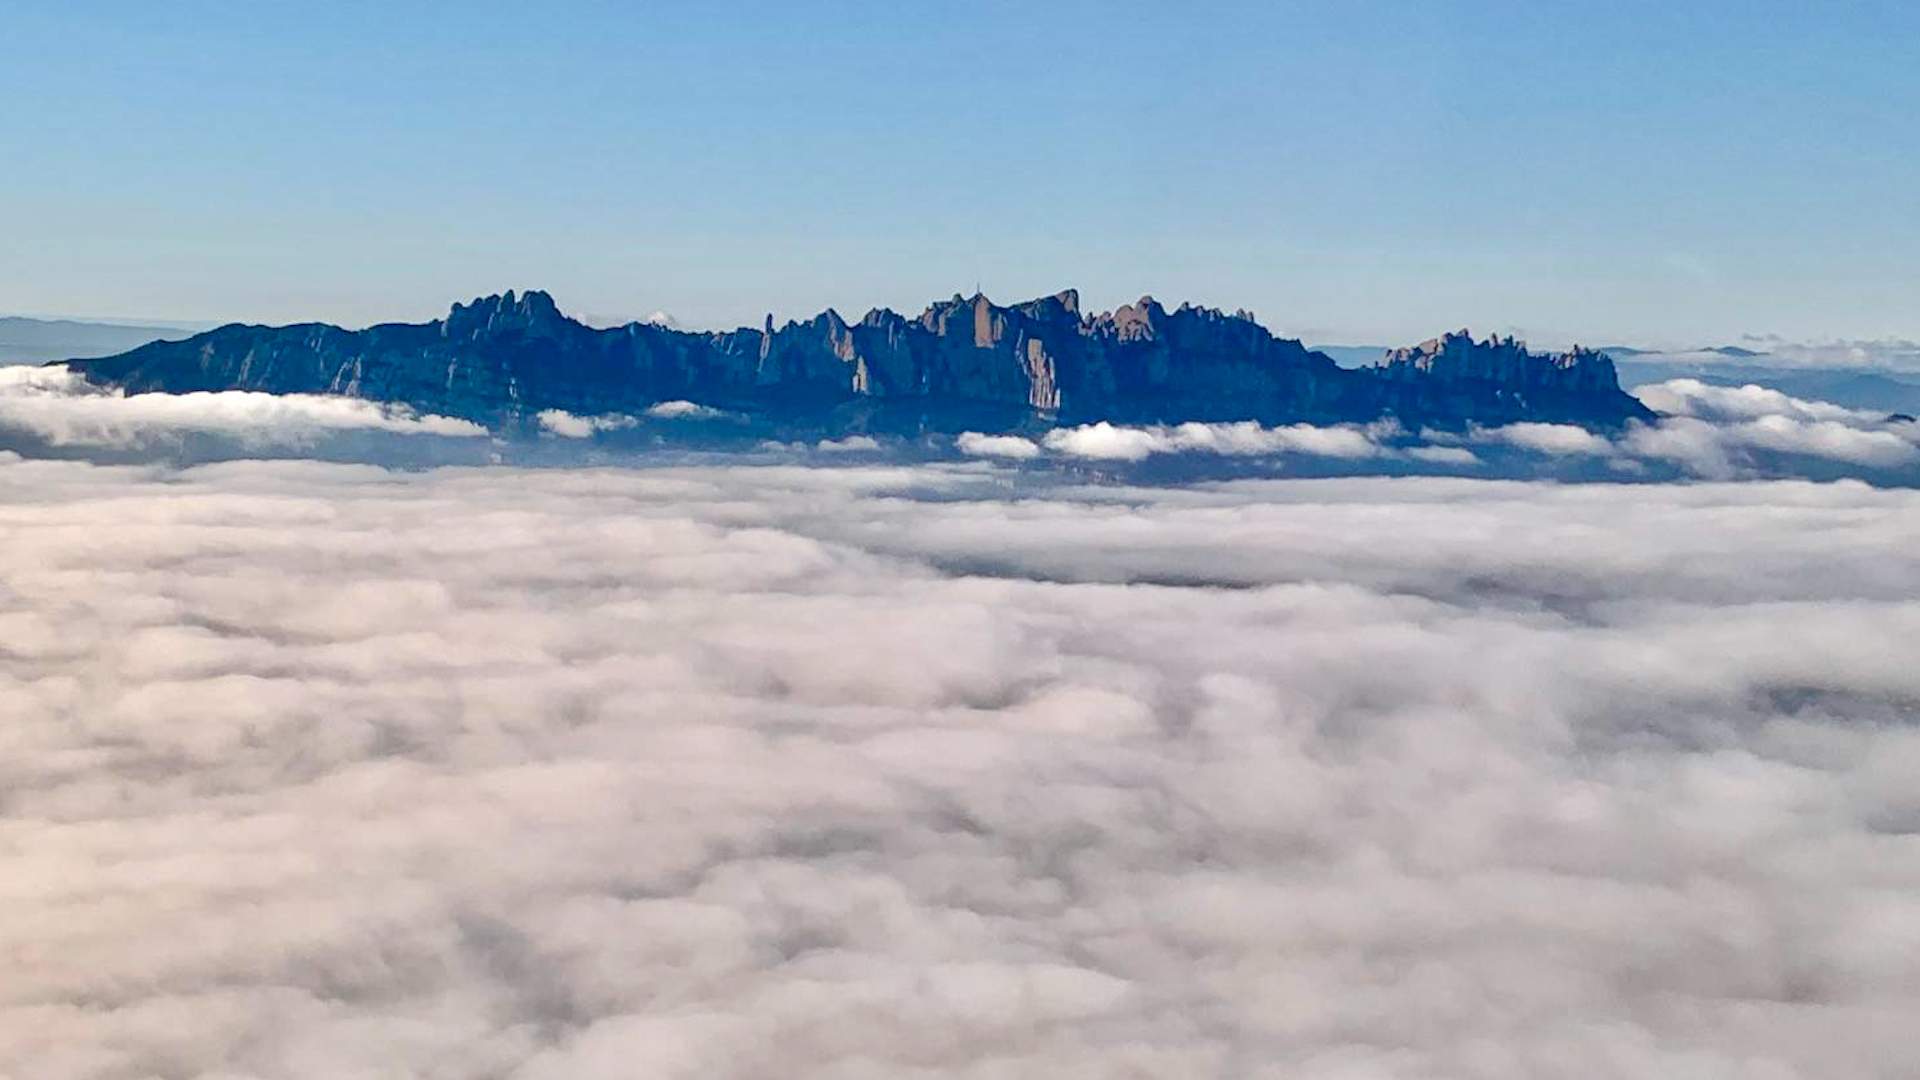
(962, 769)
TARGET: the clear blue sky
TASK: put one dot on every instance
(1351, 171)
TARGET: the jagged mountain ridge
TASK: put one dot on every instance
(963, 362)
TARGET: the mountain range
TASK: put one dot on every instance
(36, 341)
(962, 363)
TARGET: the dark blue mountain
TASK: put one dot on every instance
(962, 363)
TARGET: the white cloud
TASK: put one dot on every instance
(318, 771)
(1555, 439)
(1714, 431)
(1444, 455)
(975, 444)
(54, 404)
(682, 410)
(1691, 397)
(1696, 445)
(1250, 438)
(1827, 439)
(1106, 441)
(568, 426)
(847, 445)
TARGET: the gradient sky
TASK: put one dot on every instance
(1656, 173)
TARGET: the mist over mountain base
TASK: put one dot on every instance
(898, 769)
(1697, 431)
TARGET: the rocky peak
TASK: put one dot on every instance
(1500, 359)
(532, 313)
(1138, 321)
(1213, 314)
(988, 324)
(1061, 310)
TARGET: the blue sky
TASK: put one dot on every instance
(1355, 171)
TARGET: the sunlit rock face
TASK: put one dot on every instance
(964, 362)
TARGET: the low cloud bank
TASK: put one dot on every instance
(323, 771)
(59, 407)
(1895, 354)
(64, 410)
(1691, 397)
(1104, 441)
(1705, 431)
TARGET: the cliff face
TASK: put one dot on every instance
(962, 362)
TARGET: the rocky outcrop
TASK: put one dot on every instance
(1456, 375)
(963, 362)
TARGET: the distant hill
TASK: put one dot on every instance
(1730, 352)
(1353, 356)
(1894, 392)
(37, 341)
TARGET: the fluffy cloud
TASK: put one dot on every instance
(851, 444)
(55, 405)
(1719, 431)
(1108, 442)
(975, 444)
(569, 426)
(1691, 397)
(324, 771)
(1456, 456)
(1554, 439)
(683, 410)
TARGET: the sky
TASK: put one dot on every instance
(1363, 172)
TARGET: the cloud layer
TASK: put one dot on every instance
(325, 771)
